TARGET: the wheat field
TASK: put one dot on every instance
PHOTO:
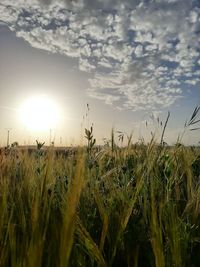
(134, 205)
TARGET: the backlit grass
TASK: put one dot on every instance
(137, 205)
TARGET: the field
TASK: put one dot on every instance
(137, 205)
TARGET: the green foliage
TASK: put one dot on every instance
(39, 145)
(90, 139)
(134, 205)
(142, 206)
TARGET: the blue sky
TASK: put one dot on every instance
(128, 59)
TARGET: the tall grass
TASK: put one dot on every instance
(137, 205)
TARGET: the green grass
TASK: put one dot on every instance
(132, 206)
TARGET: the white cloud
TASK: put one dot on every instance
(193, 17)
(192, 82)
(85, 65)
(138, 53)
(139, 50)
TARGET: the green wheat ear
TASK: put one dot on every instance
(39, 145)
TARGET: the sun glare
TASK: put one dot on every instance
(39, 113)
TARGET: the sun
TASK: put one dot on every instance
(39, 113)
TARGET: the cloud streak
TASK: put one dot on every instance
(140, 54)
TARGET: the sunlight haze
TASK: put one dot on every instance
(129, 60)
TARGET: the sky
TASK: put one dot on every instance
(132, 61)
